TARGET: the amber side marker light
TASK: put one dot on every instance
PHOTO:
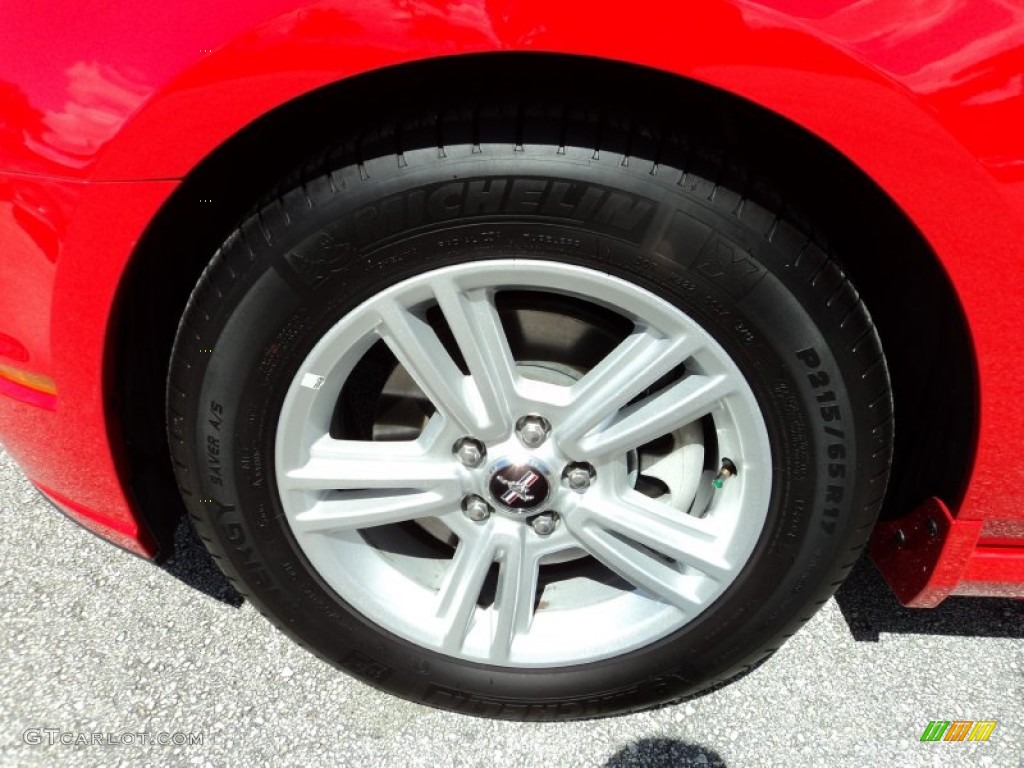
(35, 381)
(32, 388)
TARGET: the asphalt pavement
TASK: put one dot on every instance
(168, 666)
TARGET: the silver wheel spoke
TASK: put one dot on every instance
(517, 590)
(656, 526)
(460, 590)
(513, 603)
(637, 363)
(367, 509)
(684, 402)
(641, 570)
(478, 331)
(418, 348)
(363, 464)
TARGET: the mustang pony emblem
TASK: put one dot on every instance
(517, 489)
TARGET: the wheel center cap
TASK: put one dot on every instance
(519, 487)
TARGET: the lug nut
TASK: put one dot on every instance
(533, 430)
(578, 476)
(544, 525)
(470, 451)
(476, 509)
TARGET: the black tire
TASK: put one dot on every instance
(768, 294)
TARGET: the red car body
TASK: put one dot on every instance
(107, 110)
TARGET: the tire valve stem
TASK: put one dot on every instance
(728, 470)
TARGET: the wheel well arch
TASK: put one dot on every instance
(728, 139)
